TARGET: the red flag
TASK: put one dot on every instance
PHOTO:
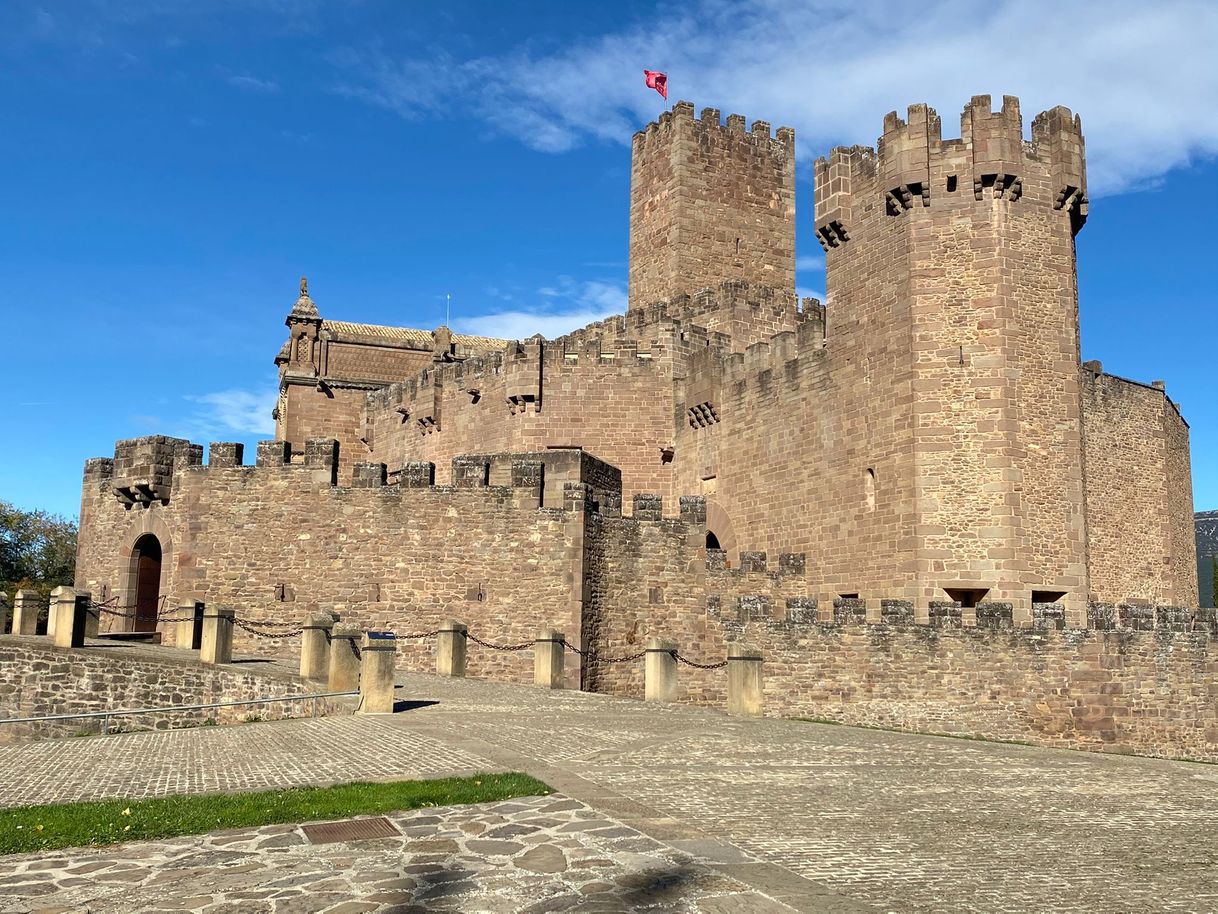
(658, 81)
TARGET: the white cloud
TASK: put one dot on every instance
(229, 414)
(566, 305)
(1141, 75)
(253, 84)
(810, 262)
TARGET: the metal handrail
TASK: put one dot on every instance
(133, 712)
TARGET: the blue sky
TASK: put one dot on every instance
(170, 169)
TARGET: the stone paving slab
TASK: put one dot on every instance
(523, 856)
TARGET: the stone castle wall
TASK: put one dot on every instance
(277, 541)
(1135, 680)
(280, 540)
(330, 412)
(612, 397)
(1139, 493)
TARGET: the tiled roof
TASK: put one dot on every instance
(479, 342)
(345, 331)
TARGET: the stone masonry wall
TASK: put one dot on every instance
(1178, 471)
(648, 576)
(1148, 692)
(1139, 493)
(330, 413)
(1141, 680)
(37, 679)
(611, 397)
(278, 541)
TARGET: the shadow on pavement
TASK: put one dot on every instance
(402, 704)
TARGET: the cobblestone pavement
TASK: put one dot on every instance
(906, 822)
(892, 821)
(256, 756)
(528, 855)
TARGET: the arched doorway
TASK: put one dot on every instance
(146, 563)
(712, 541)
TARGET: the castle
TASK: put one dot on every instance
(928, 447)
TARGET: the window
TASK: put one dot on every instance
(712, 541)
(869, 488)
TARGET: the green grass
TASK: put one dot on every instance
(36, 828)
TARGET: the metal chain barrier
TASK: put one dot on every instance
(592, 655)
(272, 630)
(189, 618)
(264, 623)
(284, 630)
(95, 608)
(523, 646)
(698, 666)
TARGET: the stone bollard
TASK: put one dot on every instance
(315, 646)
(52, 621)
(548, 658)
(25, 613)
(70, 609)
(188, 630)
(744, 693)
(92, 618)
(4, 612)
(217, 644)
(344, 658)
(450, 649)
(660, 671)
(377, 658)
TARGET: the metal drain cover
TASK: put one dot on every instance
(351, 830)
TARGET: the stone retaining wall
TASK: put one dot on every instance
(39, 679)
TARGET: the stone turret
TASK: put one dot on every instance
(710, 202)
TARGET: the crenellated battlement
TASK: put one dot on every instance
(142, 469)
(539, 476)
(514, 378)
(657, 135)
(712, 373)
(913, 167)
(730, 314)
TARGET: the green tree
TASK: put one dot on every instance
(37, 550)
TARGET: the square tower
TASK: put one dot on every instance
(710, 203)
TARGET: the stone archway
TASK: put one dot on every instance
(146, 557)
(148, 543)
